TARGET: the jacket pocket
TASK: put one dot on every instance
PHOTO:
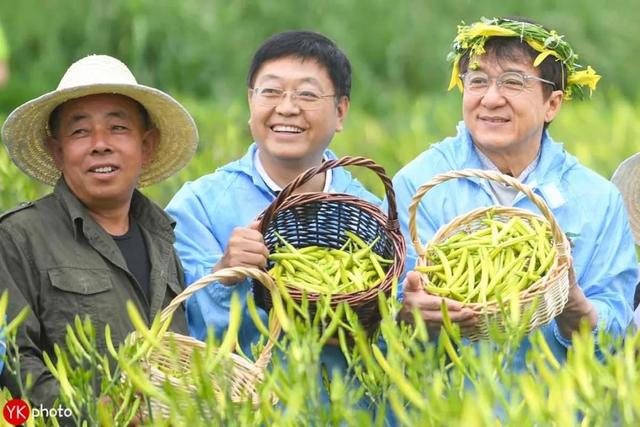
(82, 292)
(80, 281)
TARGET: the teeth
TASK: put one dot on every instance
(282, 128)
(104, 169)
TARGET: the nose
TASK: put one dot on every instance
(492, 97)
(287, 106)
(100, 141)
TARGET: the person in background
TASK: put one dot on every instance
(514, 76)
(96, 241)
(299, 85)
(626, 178)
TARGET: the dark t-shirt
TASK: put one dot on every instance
(134, 251)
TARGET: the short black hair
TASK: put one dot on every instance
(305, 45)
(53, 124)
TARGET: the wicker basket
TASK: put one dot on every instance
(243, 376)
(322, 219)
(552, 289)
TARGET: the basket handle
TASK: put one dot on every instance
(491, 176)
(231, 273)
(392, 215)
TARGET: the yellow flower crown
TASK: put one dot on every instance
(472, 38)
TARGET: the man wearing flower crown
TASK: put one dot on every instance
(514, 76)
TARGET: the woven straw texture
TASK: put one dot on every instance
(322, 219)
(627, 179)
(25, 130)
(242, 376)
(551, 291)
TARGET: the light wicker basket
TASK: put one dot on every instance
(322, 219)
(244, 374)
(551, 290)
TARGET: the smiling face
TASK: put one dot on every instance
(287, 135)
(509, 127)
(100, 146)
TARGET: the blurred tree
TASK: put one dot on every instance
(4, 58)
(202, 47)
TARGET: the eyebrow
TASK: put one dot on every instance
(310, 80)
(504, 70)
(81, 116)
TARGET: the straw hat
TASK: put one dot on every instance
(25, 130)
(627, 179)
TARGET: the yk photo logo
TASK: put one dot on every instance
(17, 412)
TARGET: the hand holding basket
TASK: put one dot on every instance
(550, 291)
(323, 219)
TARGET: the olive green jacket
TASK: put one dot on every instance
(57, 260)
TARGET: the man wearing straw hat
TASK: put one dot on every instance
(626, 179)
(514, 76)
(95, 242)
(299, 84)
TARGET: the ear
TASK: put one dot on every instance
(150, 141)
(553, 105)
(249, 94)
(342, 109)
(53, 147)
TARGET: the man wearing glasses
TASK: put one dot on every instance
(299, 84)
(514, 76)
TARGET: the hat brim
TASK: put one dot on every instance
(25, 131)
(627, 179)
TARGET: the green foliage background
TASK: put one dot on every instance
(199, 50)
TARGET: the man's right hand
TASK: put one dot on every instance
(245, 248)
(428, 306)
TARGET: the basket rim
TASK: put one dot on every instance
(536, 289)
(288, 191)
(187, 341)
(491, 176)
(557, 275)
(393, 233)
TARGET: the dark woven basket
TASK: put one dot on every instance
(322, 219)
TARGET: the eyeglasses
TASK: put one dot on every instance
(509, 84)
(304, 99)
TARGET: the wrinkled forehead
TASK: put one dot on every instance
(85, 105)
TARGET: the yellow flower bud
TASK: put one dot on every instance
(455, 78)
(586, 77)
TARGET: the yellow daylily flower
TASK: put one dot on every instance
(536, 45)
(586, 77)
(487, 30)
(543, 55)
(455, 77)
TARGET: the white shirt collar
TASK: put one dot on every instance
(505, 195)
(275, 187)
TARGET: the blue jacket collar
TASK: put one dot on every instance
(247, 166)
(552, 164)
